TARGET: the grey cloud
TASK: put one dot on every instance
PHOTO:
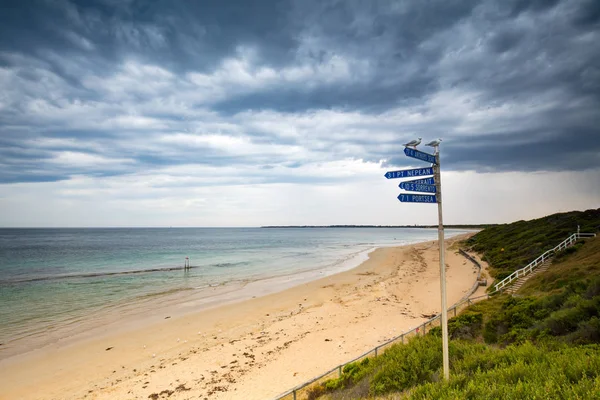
(518, 6)
(538, 62)
(371, 97)
(181, 35)
(505, 40)
(552, 152)
(588, 15)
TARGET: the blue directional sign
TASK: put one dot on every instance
(409, 173)
(419, 155)
(417, 187)
(424, 181)
(417, 198)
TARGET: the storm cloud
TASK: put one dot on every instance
(111, 88)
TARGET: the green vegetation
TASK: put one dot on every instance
(543, 343)
(525, 371)
(519, 372)
(509, 247)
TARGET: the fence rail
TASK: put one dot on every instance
(568, 242)
(301, 391)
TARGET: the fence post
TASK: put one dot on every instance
(340, 371)
(294, 394)
(402, 338)
(375, 351)
(455, 311)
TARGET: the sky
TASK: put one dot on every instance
(251, 113)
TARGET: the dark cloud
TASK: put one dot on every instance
(505, 40)
(517, 7)
(371, 97)
(186, 35)
(103, 82)
(522, 151)
(40, 177)
(587, 16)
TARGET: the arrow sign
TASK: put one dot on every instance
(409, 173)
(419, 155)
(417, 187)
(425, 181)
(417, 198)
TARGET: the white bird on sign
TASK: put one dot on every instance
(413, 143)
(434, 143)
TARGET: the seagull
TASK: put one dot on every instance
(434, 143)
(413, 143)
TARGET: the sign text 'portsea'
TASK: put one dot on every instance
(417, 198)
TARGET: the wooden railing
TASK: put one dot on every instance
(568, 242)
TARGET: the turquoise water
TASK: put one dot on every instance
(54, 277)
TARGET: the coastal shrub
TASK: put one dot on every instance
(587, 332)
(559, 314)
(499, 275)
(401, 366)
(507, 326)
(552, 370)
(559, 256)
(593, 289)
(509, 247)
(316, 392)
(464, 326)
(406, 366)
(352, 373)
(523, 371)
(568, 320)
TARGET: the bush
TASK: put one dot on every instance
(409, 365)
(521, 372)
(523, 241)
(587, 332)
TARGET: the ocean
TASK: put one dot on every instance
(53, 280)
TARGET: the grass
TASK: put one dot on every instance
(509, 247)
(542, 371)
(543, 343)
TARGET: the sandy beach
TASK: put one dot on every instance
(254, 349)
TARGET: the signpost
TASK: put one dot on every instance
(419, 155)
(438, 184)
(417, 187)
(425, 181)
(409, 173)
(417, 198)
(428, 185)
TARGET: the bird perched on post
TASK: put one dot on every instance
(413, 143)
(434, 143)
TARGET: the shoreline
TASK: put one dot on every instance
(179, 302)
(117, 359)
(140, 309)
